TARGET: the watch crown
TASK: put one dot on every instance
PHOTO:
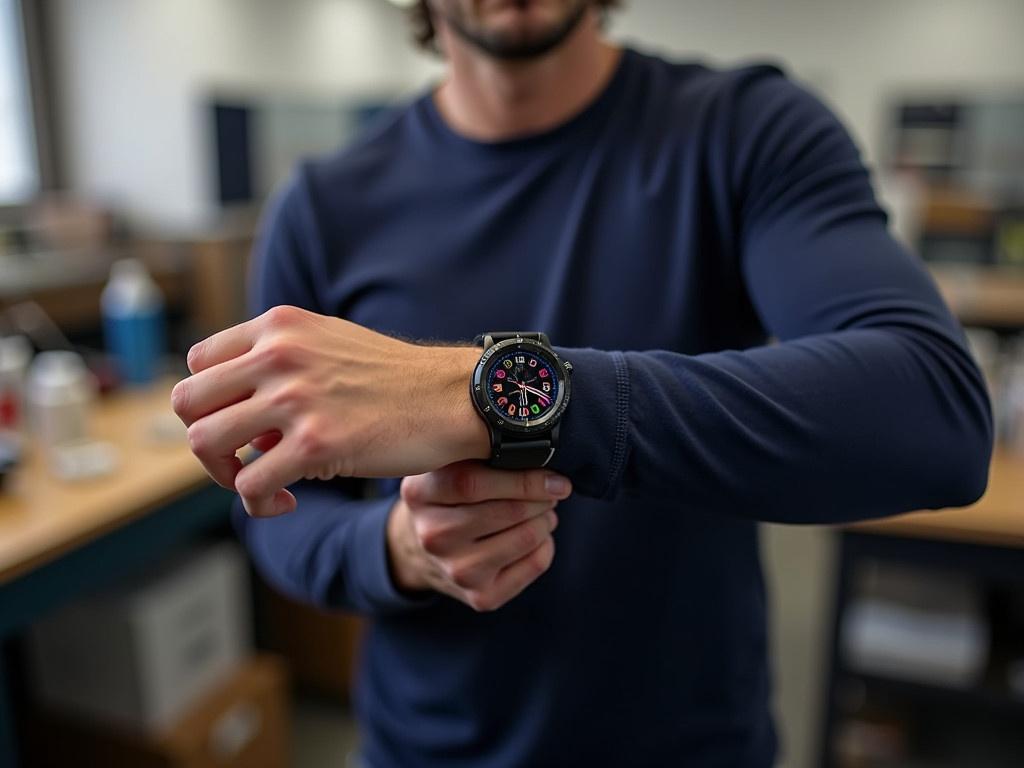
(568, 366)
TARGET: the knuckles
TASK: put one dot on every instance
(180, 397)
(483, 602)
(411, 490)
(198, 439)
(248, 483)
(462, 576)
(275, 353)
(528, 482)
(528, 538)
(516, 510)
(490, 599)
(289, 396)
(464, 482)
(541, 559)
(432, 537)
(311, 438)
(282, 316)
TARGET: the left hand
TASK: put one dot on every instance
(323, 397)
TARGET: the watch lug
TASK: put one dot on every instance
(495, 439)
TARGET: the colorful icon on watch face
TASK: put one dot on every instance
(522, 386)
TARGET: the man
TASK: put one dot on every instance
(659, 222)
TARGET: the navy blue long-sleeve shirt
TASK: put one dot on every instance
(661, 237)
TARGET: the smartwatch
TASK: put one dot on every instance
(521, 388)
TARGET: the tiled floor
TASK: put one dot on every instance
(798, 573)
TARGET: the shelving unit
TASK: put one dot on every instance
(980, 698)
(986, 296)
(984, 543)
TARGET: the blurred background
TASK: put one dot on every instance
(138, 141)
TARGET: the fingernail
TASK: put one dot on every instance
(557, 485)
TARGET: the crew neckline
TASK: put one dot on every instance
(597, 106)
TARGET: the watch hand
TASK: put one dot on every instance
(537, 392)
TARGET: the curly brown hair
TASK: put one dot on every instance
(423, 25)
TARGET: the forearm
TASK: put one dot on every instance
(829, 428)
(331, 551)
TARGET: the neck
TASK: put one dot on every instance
(490, 100)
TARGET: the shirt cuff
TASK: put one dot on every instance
(368, 572)
(593, 440)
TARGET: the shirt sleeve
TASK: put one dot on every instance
(868, 405)
(332, 550)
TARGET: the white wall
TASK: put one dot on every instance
(134, 72)
(856, 52)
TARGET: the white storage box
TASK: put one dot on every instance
(138, 656)
(916, 625)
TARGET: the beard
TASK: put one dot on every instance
(513, 47)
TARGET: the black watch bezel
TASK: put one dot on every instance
(493, 417)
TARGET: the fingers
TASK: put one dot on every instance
(225, 345)
(214, 439)
(445, 531)
(239, 339)
(280, 502)
(212, 389)
(487, 531)
(261, 481)
(514, 578)
(490, 517)
(495, 553)
(264, 443)
(470, 482)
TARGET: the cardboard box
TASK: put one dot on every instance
(140, 655)
(244, 723)
(321, 648)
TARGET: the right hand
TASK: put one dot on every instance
(478, 534)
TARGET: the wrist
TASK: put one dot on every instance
(402, 552)
(464, 431)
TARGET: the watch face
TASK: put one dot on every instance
(522, 386)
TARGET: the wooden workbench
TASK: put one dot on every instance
(997, 519)
(61, 540)
(42, 517)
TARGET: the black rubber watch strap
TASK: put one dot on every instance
(510, 453)
(528, 454)
(490, 339)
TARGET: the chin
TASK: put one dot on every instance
(514, 29)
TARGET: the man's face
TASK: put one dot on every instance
(511, 29)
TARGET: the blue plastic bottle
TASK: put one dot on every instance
(133, 321)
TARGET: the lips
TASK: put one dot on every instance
(517, 5)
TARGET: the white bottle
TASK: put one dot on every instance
(60, 392)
